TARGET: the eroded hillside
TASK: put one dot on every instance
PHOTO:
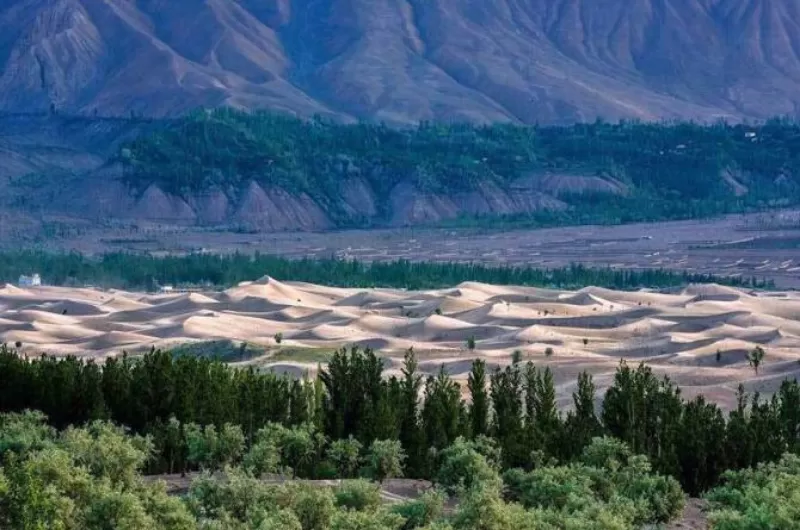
(405, 60)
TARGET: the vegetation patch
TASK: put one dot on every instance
(139, 271)
(674, 170)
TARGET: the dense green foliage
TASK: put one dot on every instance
(136, 271)
(203, 414)
(89, 478)
(679, 167)
(765, 497)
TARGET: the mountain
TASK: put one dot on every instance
(402, 61)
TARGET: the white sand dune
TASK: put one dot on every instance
(678, 332)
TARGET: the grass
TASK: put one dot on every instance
(300, 355)
(223, 350)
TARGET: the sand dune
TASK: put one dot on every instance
(698, 335)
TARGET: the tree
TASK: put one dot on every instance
(107, 450)
(297, 446)
(516, 357)
(548, 352)
(379, 519)
(201, 444)
(463, 467)
(346, 456)
(278, 337)
(442, 410)
(581, 425)
(471, 343)
(507, 428)
(479, 408)
(755, 357)
(422, 511)
(24, 432)
(230, 445)
(262, 457)
(386, 458)
(411, 434)
(313, 506)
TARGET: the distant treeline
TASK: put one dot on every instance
(673, 169)
(160, 395)
(137, 271)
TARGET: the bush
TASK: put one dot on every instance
(421, 512)
(358, 495)
(463, 467)
(765, 497)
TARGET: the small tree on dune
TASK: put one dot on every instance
(755, 357)
(516, 357)
(471, 343)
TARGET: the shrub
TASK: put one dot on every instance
(358, 495)
(422, 511)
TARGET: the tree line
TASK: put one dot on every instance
(89, 477)
(186, 404)
(139, 271)
(680, 168)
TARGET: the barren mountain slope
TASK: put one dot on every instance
(406, 60)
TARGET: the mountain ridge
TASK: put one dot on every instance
(404, 61)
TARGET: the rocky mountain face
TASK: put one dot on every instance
(401, 61)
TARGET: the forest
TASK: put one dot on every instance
(140, 271)
(676, 170)
(194, 409)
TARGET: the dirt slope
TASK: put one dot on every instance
(405, 60)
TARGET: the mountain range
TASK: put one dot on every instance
(405, 61)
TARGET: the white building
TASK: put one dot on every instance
(30, 281)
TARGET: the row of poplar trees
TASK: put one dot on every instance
(516, 406)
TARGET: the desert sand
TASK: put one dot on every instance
(677, 332)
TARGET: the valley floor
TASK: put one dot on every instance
(766, 245)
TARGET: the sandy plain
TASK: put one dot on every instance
(677, 332)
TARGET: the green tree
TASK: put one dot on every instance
(346, 456)
(230, 445)
(507, 426)
(386, 459)
(442, 410)
(379, 519)
(582, 424)
(463, 467)
(479, 406)
(755, 357)
(201, 444)
(411, 433)
(471, 343)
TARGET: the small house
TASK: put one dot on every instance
(30, 281)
